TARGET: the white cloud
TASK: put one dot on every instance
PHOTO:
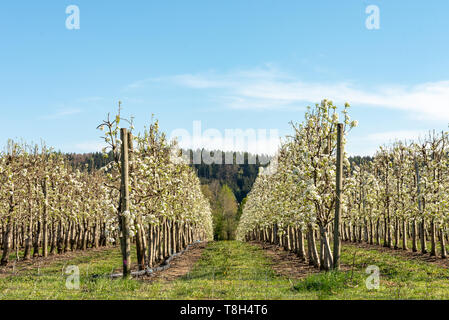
(392, 136)
(369, 144)
(61, 114)
(269, 88)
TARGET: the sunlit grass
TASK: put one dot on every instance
(234, 270)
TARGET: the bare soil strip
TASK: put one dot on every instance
(286, 263)
(39, 262)
(408, 254)
(179, 266)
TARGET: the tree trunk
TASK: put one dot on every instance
(443, 243)
(96, 231)
(37, 239)
(7, 242)
(300, 237)
(44, 219)
(423, 236)
(328, 259)
(313, 253)
(29, 235)
(60, 241)
(414, 236)
(289, 238)
(53, 238)
(396, 233)
(404, 235)
(433, 247)
(150, 245)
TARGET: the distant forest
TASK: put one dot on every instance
(238, 177)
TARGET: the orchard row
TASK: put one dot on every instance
(47, 207)
(398, 199)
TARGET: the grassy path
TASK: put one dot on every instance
(234, 270)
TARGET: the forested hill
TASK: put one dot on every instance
(88, 161)
(238, 177)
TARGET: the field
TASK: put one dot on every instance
(230, 270)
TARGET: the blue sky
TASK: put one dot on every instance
(230, 64)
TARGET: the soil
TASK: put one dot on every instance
(179, 266)
(286, 263)
(38, 262)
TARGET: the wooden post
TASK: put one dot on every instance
(124, 218)
(140, 237)
(336, 262)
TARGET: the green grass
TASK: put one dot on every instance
(234, 270)
(400, 278)
(327, 284)
(231, 270)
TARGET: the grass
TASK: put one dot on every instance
(401, 278)
(328, 283)
(234, 270)
(231, 270)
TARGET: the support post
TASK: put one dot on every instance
(124, 215)
(339, 174)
